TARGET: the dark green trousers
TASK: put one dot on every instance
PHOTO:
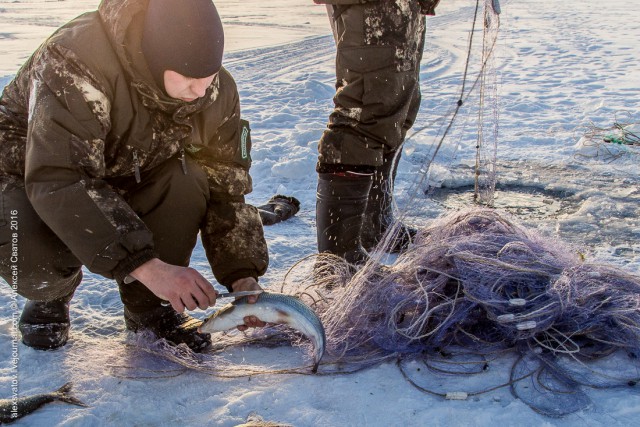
(172, 205)
(379, 49)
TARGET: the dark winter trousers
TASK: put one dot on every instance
(39, 265)
(379, 49)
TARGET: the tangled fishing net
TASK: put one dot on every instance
(476, 284)
(620, 140)
(475, 278)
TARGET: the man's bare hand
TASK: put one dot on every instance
(248, 284)
(183, 287)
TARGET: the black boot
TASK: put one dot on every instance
(166, 323)
(379, 214)
(340, 206)
(278, 208)
(45, 325)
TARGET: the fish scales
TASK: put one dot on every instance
(271, 308)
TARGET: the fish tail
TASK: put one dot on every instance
(63, 394)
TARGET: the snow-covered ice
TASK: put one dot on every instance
(562, 69)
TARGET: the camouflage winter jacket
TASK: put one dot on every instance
(84, 110)
(428, 6)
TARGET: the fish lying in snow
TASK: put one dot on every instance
(255, 420)
(271, 308)
(12, 409)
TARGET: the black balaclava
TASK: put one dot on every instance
(184, 36)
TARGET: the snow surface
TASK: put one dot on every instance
(562, 67)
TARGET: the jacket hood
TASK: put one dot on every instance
(123, 20)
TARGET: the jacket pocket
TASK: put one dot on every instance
(373, 82)
(365, 59)
(356, 67)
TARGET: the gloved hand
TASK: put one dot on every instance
(278, 208)
(428, 7)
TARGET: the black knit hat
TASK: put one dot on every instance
(184, 36)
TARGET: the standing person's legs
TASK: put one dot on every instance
(379, 47)
(379, 216)
(39, 267)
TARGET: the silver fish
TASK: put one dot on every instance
(271, 308)
(12, 409)
(255, 420)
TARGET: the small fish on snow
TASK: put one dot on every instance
(12, 409)
(255, 420)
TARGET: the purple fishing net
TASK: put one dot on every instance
(476, 282)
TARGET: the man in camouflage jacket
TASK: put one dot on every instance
(379, 49)
(121, 140)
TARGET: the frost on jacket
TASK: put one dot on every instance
(84, 110)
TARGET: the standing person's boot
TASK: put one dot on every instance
(340, 206)
(165, 322)
(45, 325)
(379, 214)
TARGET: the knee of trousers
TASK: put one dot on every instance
(375, 103)
(33, 260)
(44, 283)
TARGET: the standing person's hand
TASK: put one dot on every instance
(248, 284)
(183, 287)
